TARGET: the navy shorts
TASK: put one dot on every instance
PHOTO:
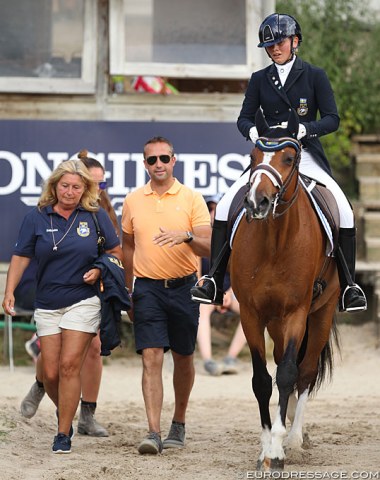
(165, 317)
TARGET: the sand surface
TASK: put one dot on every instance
(223, 427)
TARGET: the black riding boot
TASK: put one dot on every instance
(211, 291)
(352, 297)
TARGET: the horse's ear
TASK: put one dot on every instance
(260, 122)
(293, 123)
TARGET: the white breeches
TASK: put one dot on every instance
(308, 167)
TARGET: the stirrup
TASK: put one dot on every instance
(353, 309)
(204, 300)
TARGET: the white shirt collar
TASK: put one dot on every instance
(283, 70)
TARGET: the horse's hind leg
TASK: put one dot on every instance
(292, 405)
(319, 326)
(295, 437)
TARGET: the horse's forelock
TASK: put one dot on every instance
(278, 132)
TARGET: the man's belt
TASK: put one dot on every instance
(173, 282)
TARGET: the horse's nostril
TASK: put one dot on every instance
(264, 204)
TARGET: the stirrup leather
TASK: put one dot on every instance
(206, 277)
(353, 309)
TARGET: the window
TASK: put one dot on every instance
(197, 38)
(48, 46)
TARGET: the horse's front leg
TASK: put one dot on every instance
(286, 379)
(262, 388)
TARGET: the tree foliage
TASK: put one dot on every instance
(343, 37)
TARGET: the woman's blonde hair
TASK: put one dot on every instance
(75, 167)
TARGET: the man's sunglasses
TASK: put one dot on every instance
(102, 185)
(153, 159)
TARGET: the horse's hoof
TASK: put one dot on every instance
(306, 444)
(273, 464)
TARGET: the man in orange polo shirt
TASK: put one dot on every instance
(166, 225)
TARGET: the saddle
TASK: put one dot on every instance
(325, 200)
(321, 199)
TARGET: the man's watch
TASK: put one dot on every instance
(189, 237)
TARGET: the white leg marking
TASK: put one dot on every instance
(265, 443)
(295, 438)
(292, 405)
(278, 435)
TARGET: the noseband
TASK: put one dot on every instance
(274, 145)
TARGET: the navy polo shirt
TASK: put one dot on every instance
(60, 273)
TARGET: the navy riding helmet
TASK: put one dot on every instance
(276, 27)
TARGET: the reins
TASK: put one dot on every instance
(273, 145)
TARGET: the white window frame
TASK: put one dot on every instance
(256, 10)
(84, 85)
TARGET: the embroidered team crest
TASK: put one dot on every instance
(303, 108)
(83, 230)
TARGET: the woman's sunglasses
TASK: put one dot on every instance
(102, 185)
(153, 159)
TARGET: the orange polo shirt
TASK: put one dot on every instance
(144, 211)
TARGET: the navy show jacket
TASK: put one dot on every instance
(114, 298)
(307, 90)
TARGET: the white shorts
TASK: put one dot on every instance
(83, 316)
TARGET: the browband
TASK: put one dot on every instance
(274, 144)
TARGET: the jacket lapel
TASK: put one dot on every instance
(275, 83)
(294, 74)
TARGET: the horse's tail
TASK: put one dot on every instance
(326, 358)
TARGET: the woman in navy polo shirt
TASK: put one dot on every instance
(61, 234)
(91, 372)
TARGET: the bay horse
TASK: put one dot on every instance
(278, 258)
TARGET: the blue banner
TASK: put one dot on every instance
(210, 157)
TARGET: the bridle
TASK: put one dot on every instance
(273, 145)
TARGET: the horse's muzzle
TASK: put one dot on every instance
(258, 210)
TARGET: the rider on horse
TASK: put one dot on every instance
(288, 83)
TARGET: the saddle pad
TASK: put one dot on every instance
(325, 224)
(235, 225)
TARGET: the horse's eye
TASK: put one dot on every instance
(289, 160)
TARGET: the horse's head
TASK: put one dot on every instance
(274, 168)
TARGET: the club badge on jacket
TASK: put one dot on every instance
(303, 108)
(83, 230)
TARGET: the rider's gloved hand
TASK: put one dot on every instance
(301, 131)
(253, 134)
